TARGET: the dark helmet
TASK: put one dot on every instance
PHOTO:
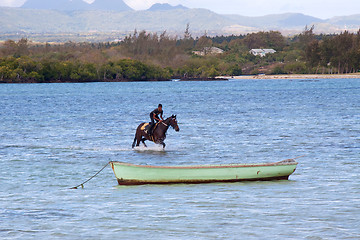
(160, 105)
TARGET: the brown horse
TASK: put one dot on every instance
(159, 133)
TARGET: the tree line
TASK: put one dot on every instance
(335, 54)
(144, 56)
(23, 69)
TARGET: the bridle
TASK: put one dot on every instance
(166, 125)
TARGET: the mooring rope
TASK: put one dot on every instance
(82, 184)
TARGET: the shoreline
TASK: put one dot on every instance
(114, 80)
(77, 81)
(219, 78)
(296, 76)
(204, 79)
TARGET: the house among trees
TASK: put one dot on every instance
(209, 51)
(262, 52)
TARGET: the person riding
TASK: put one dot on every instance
(154, 116)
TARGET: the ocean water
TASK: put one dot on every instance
(55, 136)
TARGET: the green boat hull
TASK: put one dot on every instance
(130, 174)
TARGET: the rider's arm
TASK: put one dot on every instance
(154, 115)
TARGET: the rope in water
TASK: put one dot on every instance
(82, 184)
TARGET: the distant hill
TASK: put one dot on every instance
(352, 21)
(38, 21)
(165, 7)
(286, 20)
(31, 19)
(77, 5)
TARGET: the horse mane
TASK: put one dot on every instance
(171, 117)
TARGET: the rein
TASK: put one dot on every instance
(164, 133)
(166, 125)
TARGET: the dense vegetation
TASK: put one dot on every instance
(149, 56)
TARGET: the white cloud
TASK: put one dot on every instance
(12, 3)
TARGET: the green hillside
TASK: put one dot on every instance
(31, 21)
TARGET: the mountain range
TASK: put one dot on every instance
(165, 7)
(77, 5)
(77, 16)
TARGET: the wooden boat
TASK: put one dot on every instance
(130, 174)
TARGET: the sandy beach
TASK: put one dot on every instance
(296, 76)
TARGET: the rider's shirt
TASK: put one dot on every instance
(156, 112)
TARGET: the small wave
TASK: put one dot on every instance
(155, 148)
(70, 148)
(24, 146)
(95, 149)
(108, 149)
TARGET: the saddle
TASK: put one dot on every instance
(147, 126)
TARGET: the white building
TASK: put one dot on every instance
(261, 52)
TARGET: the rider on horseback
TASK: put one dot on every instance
(154, 116)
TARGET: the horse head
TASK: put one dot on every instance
(173, 123)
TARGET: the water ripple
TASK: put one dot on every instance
(54, 136)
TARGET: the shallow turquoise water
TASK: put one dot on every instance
(55, 136)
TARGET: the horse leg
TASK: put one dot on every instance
(133, 145)
(138, 143)
(143, 141)
(163, 144)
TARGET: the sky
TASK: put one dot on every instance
(316, 8)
